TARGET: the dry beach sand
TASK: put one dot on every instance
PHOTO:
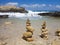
(11, 31)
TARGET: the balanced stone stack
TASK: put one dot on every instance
(44, 30)
(3, 43)
(58, 33)
(28, 34)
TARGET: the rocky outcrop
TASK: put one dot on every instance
(55, 14)
(12, 9)
(3, 16)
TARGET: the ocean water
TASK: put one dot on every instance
(17, 25)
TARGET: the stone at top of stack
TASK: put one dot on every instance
(57, 32)
(44, 25)
(44, 30)
(28, 22)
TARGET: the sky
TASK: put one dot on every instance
(34, 4)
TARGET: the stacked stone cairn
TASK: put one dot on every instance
(3, 43)
(28, 34)
(44, 33)
(58, 33)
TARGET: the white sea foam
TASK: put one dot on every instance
(18, 15)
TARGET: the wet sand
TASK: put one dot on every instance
(12, 33)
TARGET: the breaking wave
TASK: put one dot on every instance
(30, 14)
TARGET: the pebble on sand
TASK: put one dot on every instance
(8, 23)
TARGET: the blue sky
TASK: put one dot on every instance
(34, 4)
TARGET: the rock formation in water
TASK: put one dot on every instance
(54, 14)
(3, 16)
(12, 9)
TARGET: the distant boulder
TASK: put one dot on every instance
(12, 9)
(55, 14)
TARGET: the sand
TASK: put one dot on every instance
(12, 32)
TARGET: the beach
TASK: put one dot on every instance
(12, 32)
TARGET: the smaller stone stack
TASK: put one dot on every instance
(28, 34)
(58, 33)
(3, 43)
(44, 33)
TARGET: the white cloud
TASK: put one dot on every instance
(12, 3)
(25, 5)
(50, 5)
(58, 6)
(41, 6)
(33, 5)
